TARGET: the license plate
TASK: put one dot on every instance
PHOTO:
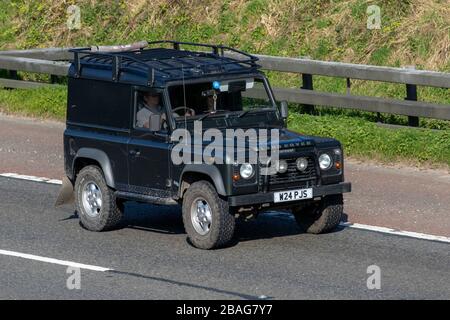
(292, 195)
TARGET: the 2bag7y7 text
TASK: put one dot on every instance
(230, 309)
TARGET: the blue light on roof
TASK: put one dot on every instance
(216, 85)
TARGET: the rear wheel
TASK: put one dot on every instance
(322, 216)
(206, 217)
(95, 201)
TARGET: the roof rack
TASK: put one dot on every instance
(189, 65)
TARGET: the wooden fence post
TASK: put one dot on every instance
(411, 95)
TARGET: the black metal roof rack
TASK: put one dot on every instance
(167, 64)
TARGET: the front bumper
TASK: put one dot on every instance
(267, 197)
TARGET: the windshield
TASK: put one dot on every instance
(210, 99)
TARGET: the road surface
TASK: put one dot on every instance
(151, 259)
(148, 256)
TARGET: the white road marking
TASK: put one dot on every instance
(409, 234)
(30, 178)
(53, 261)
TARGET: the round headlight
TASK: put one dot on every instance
(302, 164)
(282, 166)
(246, 170)
(325, 161)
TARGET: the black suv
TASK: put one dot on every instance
(125, 105)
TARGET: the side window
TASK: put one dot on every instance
(149, 103)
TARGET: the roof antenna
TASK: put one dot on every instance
(184, 100)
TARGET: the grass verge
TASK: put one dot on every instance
(45, 102)
(363, 139)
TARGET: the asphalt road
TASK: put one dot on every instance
(152, 259)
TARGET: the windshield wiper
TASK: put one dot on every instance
(204, 116)
(256, 109)
(243, 113)
(211, 114)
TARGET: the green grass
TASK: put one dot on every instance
(45, 102)
(366, 140)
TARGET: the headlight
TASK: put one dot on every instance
(282, 166)
(302, 164)
(325, 161)
(246, 170)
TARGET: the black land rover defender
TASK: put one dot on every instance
(124, 106)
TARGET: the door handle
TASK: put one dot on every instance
(135, 152)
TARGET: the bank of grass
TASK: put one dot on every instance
(45, 102)
(361, 138)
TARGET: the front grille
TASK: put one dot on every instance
(293, 178)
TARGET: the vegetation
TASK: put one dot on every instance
(45, 102)
(366, 140)
(413, 32)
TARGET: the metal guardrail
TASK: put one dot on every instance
(53, 61)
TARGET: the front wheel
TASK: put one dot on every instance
(322, 216)
(96, 204)
(206, 217)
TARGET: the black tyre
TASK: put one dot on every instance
(320, 217)
(95, 201)
(206, 217)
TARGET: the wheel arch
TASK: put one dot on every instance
(196, 172)
(91, 156)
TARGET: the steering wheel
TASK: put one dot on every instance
(186, 109)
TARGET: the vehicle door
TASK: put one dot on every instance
(149, 151)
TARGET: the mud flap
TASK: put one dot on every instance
(66, 194)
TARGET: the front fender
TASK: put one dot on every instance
(210, 171)
(102, 158)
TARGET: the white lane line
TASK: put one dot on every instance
(409, 234)
(53, 261)
(30, 178)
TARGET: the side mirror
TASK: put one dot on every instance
(284, 109)
(154, 123)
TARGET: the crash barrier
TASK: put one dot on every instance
(54, 61)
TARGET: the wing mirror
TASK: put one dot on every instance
(154, 123)
(284, 109)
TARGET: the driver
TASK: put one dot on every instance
(150, 106)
